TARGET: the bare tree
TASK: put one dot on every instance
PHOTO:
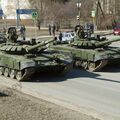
(50, 10)
(57, 10)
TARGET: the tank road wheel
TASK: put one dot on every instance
(6, 72)
(24, 74)
(85, 65)
(77, 63)
(91, 67)
(1, 70)
(97, 66)
(19, 75)
(12, 73)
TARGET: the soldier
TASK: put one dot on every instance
(23, 30)
(80, 31)
(12, 35)
(76, 28)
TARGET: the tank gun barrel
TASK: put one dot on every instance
(107, 42)
(42, 44)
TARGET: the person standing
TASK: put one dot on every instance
(81, 32)
(53, 30)
(39, 25)
(49, 28)
(60, 37)
(23, 30)
(57, 28)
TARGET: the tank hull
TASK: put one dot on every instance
(92, 59)
(23, 67)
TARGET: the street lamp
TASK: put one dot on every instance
(78, 4)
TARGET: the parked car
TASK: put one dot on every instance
(116, 30)
(66, 37)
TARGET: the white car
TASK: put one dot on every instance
(67, 37)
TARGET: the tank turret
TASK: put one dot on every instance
(14, 48)
(92, 44)
(41, 45)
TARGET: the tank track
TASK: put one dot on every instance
(61, 71)
(97, 67)
(91, 66)
(65, 70)
(55, 70)
(22, 75)
(19, 75)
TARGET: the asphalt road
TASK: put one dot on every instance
(96, 94)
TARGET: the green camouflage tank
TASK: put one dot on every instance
(91, 54)
(22, 61)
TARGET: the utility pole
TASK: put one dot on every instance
(18, 15)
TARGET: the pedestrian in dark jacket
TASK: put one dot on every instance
(49, 28)
(23, 30)
(53, 30)
(60, 37)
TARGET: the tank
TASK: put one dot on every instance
(92, 54)
(93, 43)
(20, 62)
